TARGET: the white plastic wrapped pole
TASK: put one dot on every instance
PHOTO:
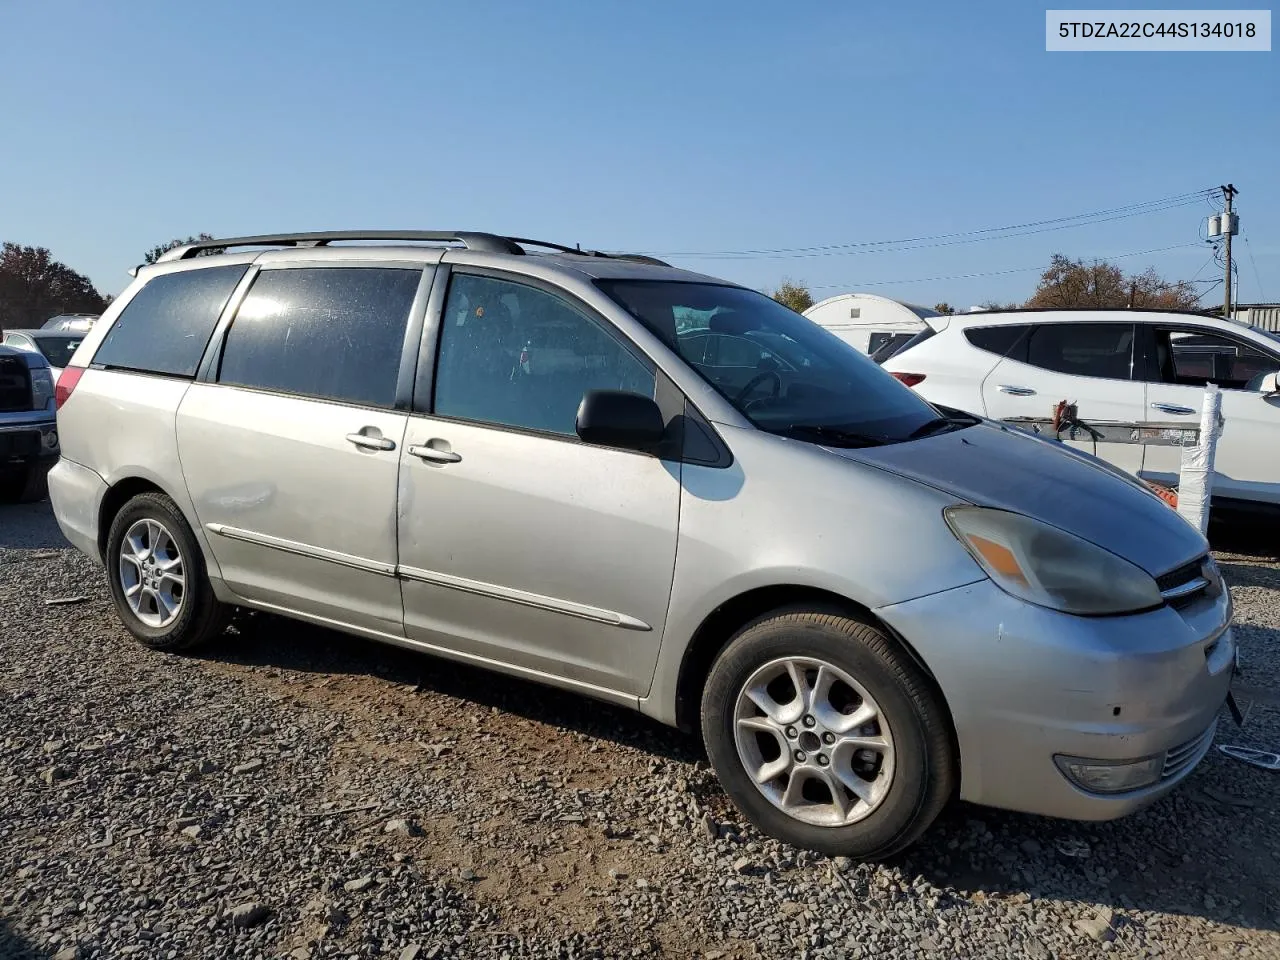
(1195, 483)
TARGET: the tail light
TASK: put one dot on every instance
(66, 384)
(910, 379)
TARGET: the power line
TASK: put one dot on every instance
(1262, 295)
(989, 273)
(948, 239)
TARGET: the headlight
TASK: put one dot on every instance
(1043, 565)
(41, 388)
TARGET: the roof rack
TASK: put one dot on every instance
(482, 242)
(633, 257)
(486, 242)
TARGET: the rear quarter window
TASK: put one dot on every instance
(1005, 341)
(166, 326)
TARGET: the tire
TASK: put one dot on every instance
(25, 484)
(197, 616)
(905, 767)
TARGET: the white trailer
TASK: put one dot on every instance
(870, 322)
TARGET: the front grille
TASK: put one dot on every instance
(15, 385)
(1182, 758)
(1184, 584)
(1176, 578)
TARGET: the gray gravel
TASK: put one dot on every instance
(290, 792)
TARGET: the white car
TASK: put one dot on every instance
(56, 346)
(1116, 366)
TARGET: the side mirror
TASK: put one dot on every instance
(616, 418)
(1270, 384)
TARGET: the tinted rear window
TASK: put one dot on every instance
(335, 333)
(1083, 349)
(1005, 341)
(166, 326)
(58, 350)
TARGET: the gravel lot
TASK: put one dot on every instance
(290, 792)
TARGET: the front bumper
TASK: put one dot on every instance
(1024, 684)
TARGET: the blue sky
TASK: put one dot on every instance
(663, 127)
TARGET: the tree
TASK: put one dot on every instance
(996, 305)
(793, 295)
(1074, 283)
(35, 287)
(155, 253)
(944, 308)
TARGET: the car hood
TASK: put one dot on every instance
(1002, 467)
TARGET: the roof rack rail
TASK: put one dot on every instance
(485, 242)
(640, 258)
(634, 257)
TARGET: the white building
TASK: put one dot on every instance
(870, 322)
(1264, 316)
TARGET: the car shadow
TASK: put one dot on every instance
(15, 947)
(1237, 533)
(1206, 850)
(29, 526)
(264, 640)
(1159, 859)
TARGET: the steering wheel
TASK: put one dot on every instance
(755, 381)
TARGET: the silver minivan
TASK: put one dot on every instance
(864, 603)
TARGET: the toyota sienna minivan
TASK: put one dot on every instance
(864, 603)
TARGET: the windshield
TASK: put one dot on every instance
(58, 350)
(783, 372)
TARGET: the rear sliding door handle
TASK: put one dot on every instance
(1016, 391)
(366, 442)
(1174, 408)
(433, 454)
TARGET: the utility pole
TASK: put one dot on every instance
(1228, 228)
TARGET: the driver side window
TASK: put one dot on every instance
(519, 356)
(1194, 357)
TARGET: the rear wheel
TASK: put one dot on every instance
(157, 576)
(826, 735)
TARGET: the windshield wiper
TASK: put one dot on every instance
(832, 436)
(937, 423)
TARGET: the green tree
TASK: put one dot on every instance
(944, 308)
(793, 295)
(995, 305)
(155, 253)
(35, 287)
(1075, 283)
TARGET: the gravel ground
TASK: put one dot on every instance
(291, 792)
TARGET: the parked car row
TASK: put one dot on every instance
(655, 488)
(1122, 366)
(28, 424)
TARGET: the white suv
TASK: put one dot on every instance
(1116, 366)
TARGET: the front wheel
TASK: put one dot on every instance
(157, 576)
(826, 735)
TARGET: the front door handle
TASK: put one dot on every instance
(433, 454)
(1174, 409)
(366, 442)
(1016, 391)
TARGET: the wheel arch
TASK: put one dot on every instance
(723, 623)
(121, 492)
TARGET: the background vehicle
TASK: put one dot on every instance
(873, 324)
(71, 322)
(1117, 365)
(28, 427)
(685, 498)
(56, 346)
